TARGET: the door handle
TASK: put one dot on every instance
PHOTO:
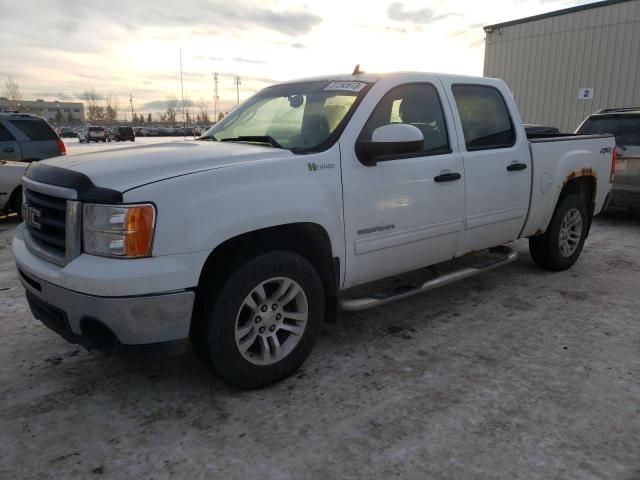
(514, 167)
(447, 177)
(9, 150)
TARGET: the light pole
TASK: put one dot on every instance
(238, 83)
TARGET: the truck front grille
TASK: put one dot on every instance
(52, 222)
(45, 218)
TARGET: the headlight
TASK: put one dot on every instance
(118, 230)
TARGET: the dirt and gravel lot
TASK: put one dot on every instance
(518, 373)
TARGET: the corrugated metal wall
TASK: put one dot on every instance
(546, 62)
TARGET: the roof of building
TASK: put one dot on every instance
(556, 13)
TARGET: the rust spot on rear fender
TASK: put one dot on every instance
(583, 172)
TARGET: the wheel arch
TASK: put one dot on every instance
(584, 186)
(310, 240)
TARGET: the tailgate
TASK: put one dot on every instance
(628, 167)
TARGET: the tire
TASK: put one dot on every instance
(236, 327)
(560, 246)
(15, 202)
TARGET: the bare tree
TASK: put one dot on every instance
(172, 105)
(202, 105)
(111, 108)
(95, 111)
(13, 92)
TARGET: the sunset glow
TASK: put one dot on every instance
(133, 47)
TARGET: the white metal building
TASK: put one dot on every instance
(564, 65)
(69, 111)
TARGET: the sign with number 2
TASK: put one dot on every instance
(585, 93)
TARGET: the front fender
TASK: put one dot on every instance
(198, 212)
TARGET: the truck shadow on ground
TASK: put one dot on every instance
(355, 332)
(619, 217)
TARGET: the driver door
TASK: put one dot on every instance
(400, 214)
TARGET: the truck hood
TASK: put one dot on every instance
(126, 168)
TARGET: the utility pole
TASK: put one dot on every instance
(131, 103)
(238, 83)
(184, 118)
(216, 97)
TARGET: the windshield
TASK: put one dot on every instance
(626, 128)
(295, 116)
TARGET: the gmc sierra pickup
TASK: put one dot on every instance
(244, 241)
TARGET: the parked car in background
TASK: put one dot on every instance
(111, 134)
(624, 124)
(28, 137)
(124, 134)
(24, 138)
(10, 188)
(67, 132)
(92, 134)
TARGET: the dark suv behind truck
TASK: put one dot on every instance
(27, 137)
(124, 134)
(624, 123)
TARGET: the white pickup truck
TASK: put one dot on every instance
(245, 241)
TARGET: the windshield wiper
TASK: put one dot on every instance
(254, 139)
(211, 138)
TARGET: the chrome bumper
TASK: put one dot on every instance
(106, 323)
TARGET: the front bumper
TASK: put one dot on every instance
(111, 323)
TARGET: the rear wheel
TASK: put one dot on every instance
(561, 245)
(260, 324)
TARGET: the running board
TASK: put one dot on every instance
(506, 255)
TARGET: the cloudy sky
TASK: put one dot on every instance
(56, 49)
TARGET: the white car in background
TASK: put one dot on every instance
(92, 134)
(10, 190)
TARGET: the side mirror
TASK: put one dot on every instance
(389, 141)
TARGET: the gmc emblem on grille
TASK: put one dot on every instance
(33, 218)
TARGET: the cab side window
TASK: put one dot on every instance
(417, 105)
(484, 116)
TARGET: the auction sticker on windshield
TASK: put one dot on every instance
(346, 85)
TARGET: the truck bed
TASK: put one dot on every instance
(557, 159)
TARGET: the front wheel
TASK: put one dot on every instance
(561, 245)
(260, 324)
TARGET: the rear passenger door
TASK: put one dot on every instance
(497, 164)
(9, 148)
